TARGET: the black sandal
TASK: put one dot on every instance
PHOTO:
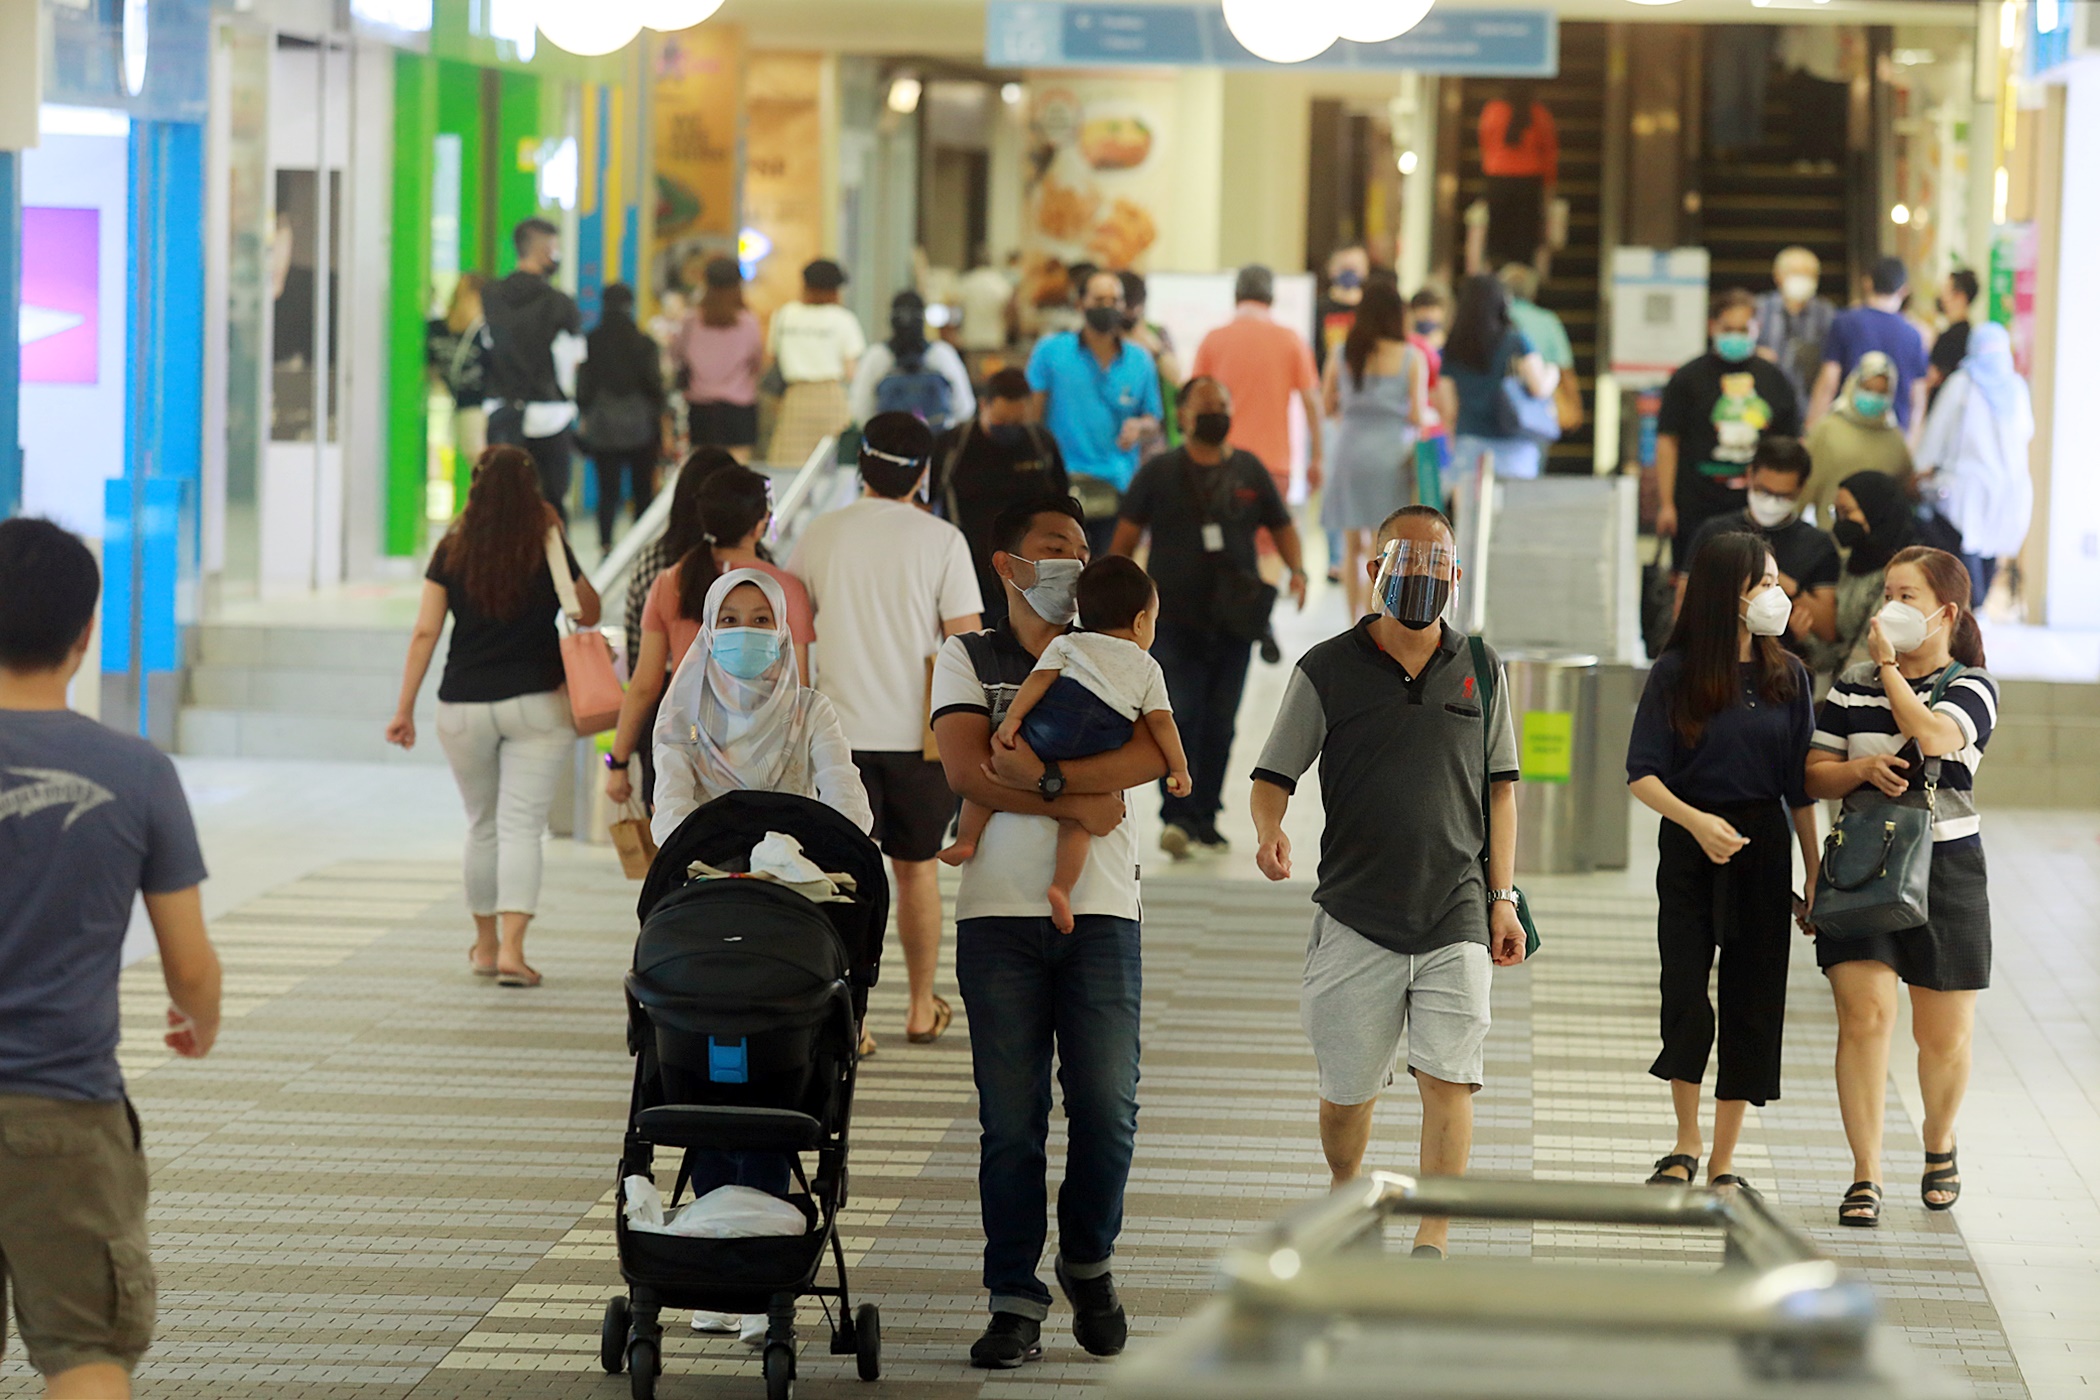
(1945, 1180)
(1731, 1179)
(1675, 1159)
(1862, 1205)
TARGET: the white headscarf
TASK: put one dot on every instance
(742, 735)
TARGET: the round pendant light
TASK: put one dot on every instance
(1375, 21)
(1282, 31)
(670, 16)
(589, 28)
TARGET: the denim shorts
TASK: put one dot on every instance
(1071, 721)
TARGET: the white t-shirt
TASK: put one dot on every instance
(1121, 672)
(883, 576)
(985, 294)
(1018, 854)
(813, 340)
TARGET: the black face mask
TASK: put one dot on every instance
(1416, 601)
(1848, 533)
(1211, 428)
(1104, 319)
(1011, 435)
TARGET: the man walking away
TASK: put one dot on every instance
(1097, 391)
(1407, 923)
(1957, 296)
(889, 582)
(1030, 989)
(525, 314)
(1878, 325)
(996, 460)
(89, 818)
(1263, 364)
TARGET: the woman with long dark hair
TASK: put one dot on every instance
(733, 508)
(1377, 391)
(1719, 747)
(718, 354)
(1483, 349)
(1897, 729)
(620, 392)
(681, 532)
(503, 715)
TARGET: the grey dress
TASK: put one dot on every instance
(1371, 462)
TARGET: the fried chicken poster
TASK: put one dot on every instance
(1098, 152)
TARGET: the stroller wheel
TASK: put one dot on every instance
(780, 1371)
(612, 1336)
(642, 1369)
(867, 1334)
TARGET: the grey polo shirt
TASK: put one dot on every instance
(1401, 770)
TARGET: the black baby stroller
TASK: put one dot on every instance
(743, 1014)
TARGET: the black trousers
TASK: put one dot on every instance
(638, 465)
(1206, 671)
(1743, 909)
(550, 455)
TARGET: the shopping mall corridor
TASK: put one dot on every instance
(392, 1178)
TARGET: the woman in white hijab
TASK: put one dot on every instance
(737, 717)
(1972, 462)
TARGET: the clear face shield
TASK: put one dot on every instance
(1415, 581)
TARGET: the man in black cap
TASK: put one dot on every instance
(890, 582)
(524, 315)
(816, 344)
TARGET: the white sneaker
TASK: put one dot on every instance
(753, 1334)
(716, 1322)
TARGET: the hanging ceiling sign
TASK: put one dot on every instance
(1082, 34)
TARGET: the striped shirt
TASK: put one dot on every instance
(1856, 722)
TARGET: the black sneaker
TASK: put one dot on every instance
(1098, 1323)
(1208, 837)
(1010, 1340)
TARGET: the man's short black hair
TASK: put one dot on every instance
(1426, 298)
(1889, 276)
(1964, 281)
(1009, 383)
(1385, 526)
(894, 449)
(529, 232)
(1011, 526)
(1776, 452)
(48, 587)
(1113, 590)
(1133, 288)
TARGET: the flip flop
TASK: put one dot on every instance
(943, 1017)
(525, 977)
(481, 969)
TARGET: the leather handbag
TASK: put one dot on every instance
(1486, 677)
(586, 657)
(1877, 860)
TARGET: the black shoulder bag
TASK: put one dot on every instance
(1240, 601)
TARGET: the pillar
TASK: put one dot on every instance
(2067, 505)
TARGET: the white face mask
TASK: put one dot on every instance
(1772, 511)
(1055, 593)
(1906, 628)
(1797, 288)
(1767, 612)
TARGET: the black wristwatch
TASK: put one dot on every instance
(614, 764)
(1052, 784)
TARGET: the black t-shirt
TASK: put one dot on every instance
(1804, 554)
(1949, 351)
(976, 475)
(1716, 410)
(1238, 494)
(500, 658)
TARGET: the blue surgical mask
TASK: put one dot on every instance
(1735, 346)
(746, 652)
(1870, 404)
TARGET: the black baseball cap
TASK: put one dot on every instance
(824, 275)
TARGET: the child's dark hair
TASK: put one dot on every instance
(1776, 452)
(1112, 592)
(48, 587)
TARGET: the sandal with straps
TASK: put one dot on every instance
(1676, 1159)
(1731, 1179)
(1862, 1205)
(1946, 1180)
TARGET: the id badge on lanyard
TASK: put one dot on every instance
(1213, 537)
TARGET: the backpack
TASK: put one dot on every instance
(915, 388)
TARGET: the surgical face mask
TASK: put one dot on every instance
(1906, 628)
(1767, 612)
(1797, 288)
(1849, 533)
(1348, 279)
(1104, 319)
(1772, 511)
(1055, 593)
(746, 652)
(1735, 346)
(1211, 428)
(1415, 582)
(1870, 404)
(1429, 330)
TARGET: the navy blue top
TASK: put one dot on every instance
(1753, 751)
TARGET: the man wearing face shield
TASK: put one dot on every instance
(1029, 988)
(1408, 923)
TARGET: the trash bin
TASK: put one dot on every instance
(1553, 696)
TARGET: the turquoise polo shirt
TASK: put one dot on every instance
(1089, 403)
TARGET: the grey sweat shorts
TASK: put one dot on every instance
(1361, 1002)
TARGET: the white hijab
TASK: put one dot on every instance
(742, 735)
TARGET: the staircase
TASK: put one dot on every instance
(273, 691)
(1755, 200)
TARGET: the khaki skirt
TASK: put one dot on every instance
(810, 409)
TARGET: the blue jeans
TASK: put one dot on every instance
(1030, 989)
(1206, 673)
(1071, 722)
(762, 1171)
(1516, 459)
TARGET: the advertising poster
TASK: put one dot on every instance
(1100, 154)
(783, 175)
(696, 98)
(61, 284)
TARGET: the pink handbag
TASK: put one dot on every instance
(586, 657)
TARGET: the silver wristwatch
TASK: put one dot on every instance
(1508, 895)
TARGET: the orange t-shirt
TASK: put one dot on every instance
(1536, 155)
(660, 612)
(1262, 364)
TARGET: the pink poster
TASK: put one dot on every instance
(61, 279)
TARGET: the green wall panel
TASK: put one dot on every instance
(415, 129)
(459, 114)
(519, 129)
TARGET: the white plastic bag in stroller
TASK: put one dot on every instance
(725, 1213)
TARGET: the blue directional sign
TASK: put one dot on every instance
(1085, 34)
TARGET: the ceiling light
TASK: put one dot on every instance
(1283, 31)
(1376, 21)
(904, 95)
(1900, 214)
(589, 28)
(1010, 94)
(1407, 162)
(670, 16)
